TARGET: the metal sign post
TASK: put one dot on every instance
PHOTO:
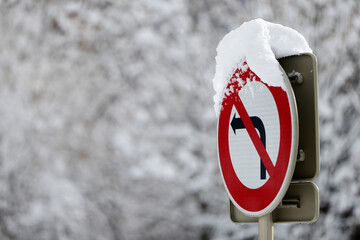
(266, 227)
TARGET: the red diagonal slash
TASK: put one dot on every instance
(254, 136)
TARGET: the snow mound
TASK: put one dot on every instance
(259, 43)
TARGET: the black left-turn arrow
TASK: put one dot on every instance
(237, 123)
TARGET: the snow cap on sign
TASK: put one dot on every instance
(259, 43)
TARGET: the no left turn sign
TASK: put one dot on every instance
(257, 141)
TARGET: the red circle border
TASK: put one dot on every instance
(254, 200)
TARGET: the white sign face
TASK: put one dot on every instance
(244, 157)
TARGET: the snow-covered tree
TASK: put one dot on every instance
(107, 127)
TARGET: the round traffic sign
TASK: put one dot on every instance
(257, 141)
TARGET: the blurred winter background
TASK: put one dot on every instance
(107, 127)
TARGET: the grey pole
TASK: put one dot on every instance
(266, 227)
